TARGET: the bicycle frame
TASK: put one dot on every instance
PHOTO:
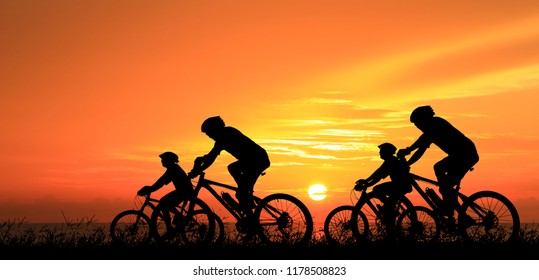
(126, 223)
(478, 210)
(149, 202)
(179, 210)
(236, 213)
(207, 184)
(364, 199)
(421, 192)
(153, 203)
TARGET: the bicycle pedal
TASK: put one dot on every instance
(169, 235)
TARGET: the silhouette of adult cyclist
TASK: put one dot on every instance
(251, 162)
(461, 152)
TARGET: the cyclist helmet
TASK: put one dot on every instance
(212, 124)
(169, 156)
(387, 147)
(421, 113)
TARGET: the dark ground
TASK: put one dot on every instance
(370, 251)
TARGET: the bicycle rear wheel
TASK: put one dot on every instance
(418, 224)
(379, 227)
(489, 217)
(219, 232)
(196, 227)
(283, 219)
(130, 227)
(338, 225)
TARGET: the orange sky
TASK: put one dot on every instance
(93, 91)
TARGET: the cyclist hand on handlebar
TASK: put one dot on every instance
(361, 185)
(197, 167)
(144, 191)
(403, 152)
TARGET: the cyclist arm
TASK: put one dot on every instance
(163, 180)
(420, 146)
(159, 183)
(207, 161)
(203, 162)
(417, 155)
(376, 176)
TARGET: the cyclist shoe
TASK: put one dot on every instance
(178, 220)
(446, 210)
(248, 238)
(450, 223)
(169, 235)
(465, 220)
(246, 225)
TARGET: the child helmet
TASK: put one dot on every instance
(387, 148)
(169, 156)
(421, 113)
(212, 124)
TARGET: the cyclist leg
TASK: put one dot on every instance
(455, 170)
(385, 192)
(246, 176)
(236, 171)
(446, 185)
(168, 203)
(246, 189)
(440, 170)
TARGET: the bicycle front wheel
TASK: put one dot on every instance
(283, 219)
(338, 225)
(130, 227)
(489, 217)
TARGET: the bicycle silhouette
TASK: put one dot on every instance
(194, 225)
(278, 219)
(368, 219)
(484, 216)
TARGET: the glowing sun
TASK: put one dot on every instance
(317, 192)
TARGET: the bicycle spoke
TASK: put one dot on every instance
(282, 219)
(198, 229)
(338, 226)
(489, 217)
(130, 227)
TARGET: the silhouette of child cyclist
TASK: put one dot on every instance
(182, 184)
(461, 153)
(251, 162)
(389, 192)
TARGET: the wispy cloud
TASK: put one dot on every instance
(318, 100)
(335, 92)
(287, 151)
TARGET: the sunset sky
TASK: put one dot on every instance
(93, 91)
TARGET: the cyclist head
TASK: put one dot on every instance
(387, 150)
(169, 157)
(212, 124)
(421, 115)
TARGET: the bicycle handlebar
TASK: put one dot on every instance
(195, 173)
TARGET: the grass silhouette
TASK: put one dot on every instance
(87, 239)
